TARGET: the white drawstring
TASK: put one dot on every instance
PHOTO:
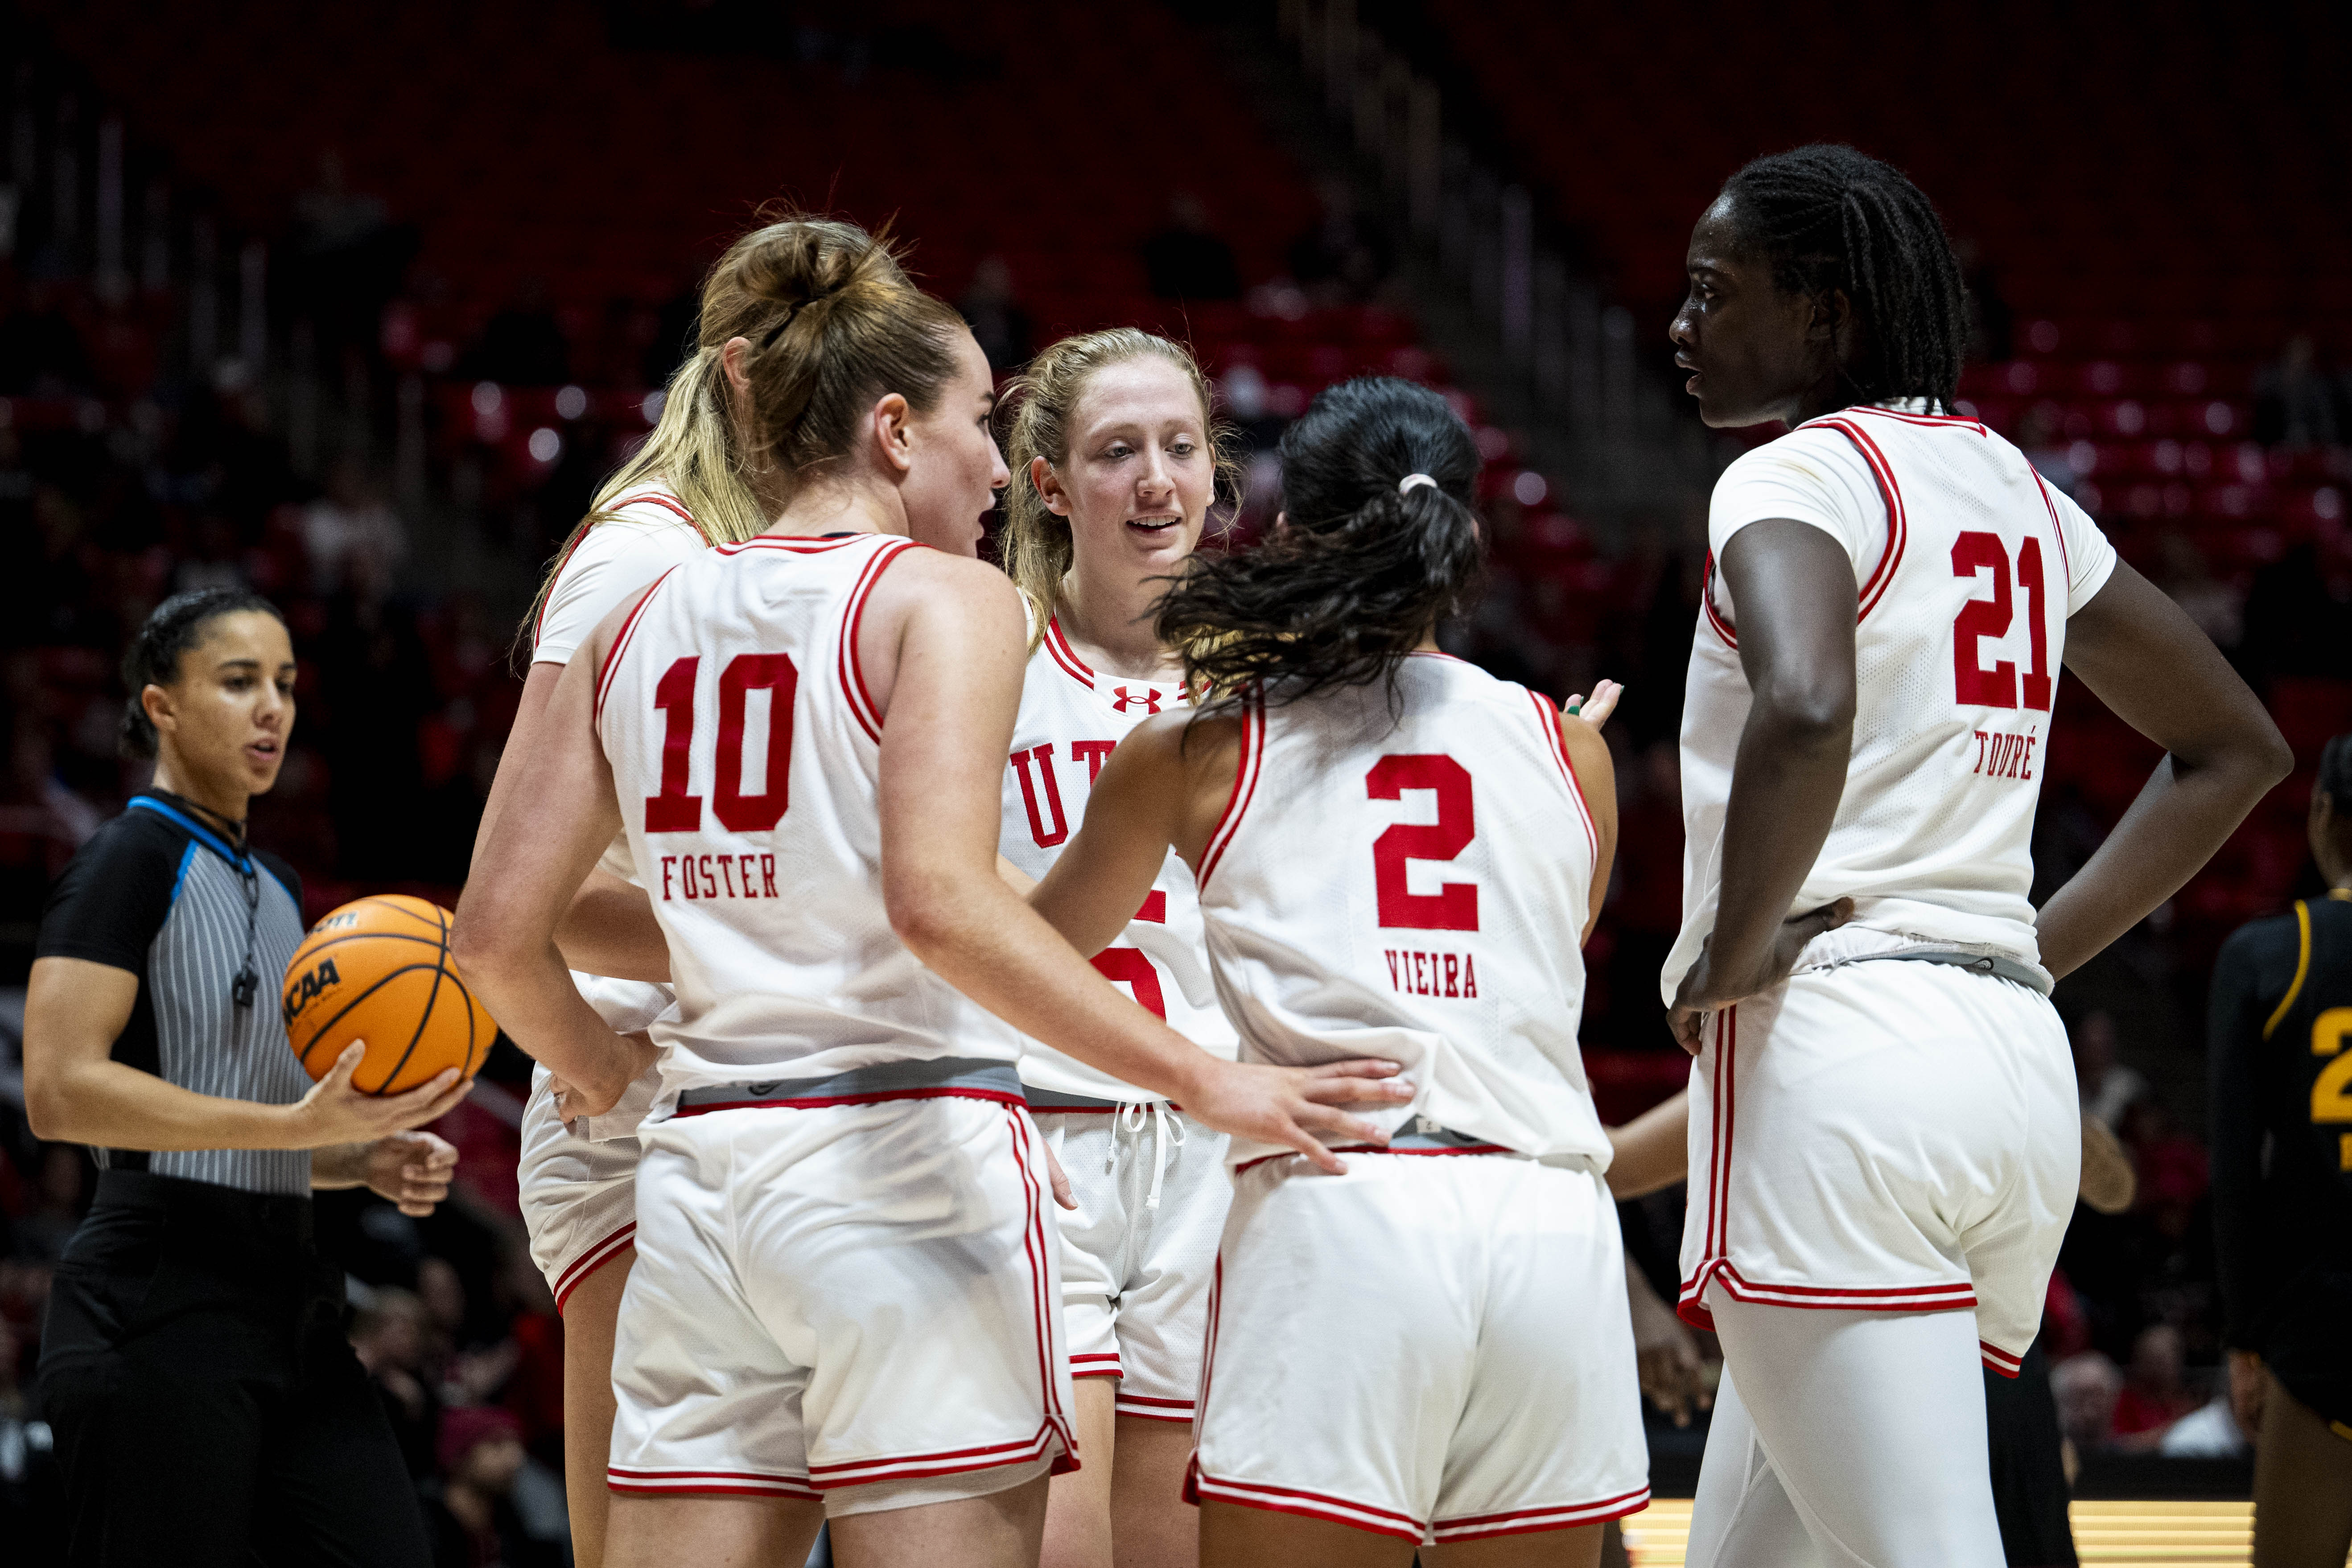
(1167, 1133)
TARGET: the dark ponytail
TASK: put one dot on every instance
(173, 627)
(1361, 570)
(1828, 217)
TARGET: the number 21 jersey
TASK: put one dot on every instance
(1968, 565)
(746, 755)
(1408, 877)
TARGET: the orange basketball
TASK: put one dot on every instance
(378, 969)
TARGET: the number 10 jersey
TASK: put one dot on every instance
(746, 753)
(1406, 876)
(1967, 567)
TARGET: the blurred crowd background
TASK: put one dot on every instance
(355, 305)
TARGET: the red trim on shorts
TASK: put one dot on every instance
(1898, 529)
(1999, 1360)
(1291, 1500)
(853, 675)
(1246, 776)
(1044, 1314)
(588, 1262)
(1692, 1309)
(1529, 1521)
(620, 646)
(875, 1098)
(946, 1462)
(1145, 1408)
(1059, 645)
(1552, 721)
(707, 1483)
(1689, 1305)
(1111, 1371)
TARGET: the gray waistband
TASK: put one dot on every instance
(1999, 968)
(1420, 1132)
(979, 1076)
(1054, 1099)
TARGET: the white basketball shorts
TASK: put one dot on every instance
(1435, 1347)
(1139, 1251)
(579, 1179)
(854, 1303)
(1885, 1135)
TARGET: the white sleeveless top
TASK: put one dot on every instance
(1410, 882)
(1070, 719)
(746, 753)
(1968, 566)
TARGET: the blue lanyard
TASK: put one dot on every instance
(247, 980)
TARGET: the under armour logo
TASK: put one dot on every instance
(1147, 699)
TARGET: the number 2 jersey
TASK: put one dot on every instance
(1406, 876)
(746, 754)
(1969, 565)
(1070, 719)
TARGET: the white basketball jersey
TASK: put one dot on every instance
(1070, 719)
(1410, 881)
(1968, 567)
(746, 753)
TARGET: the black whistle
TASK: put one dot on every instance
(241, 989)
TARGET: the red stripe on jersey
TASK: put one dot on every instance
(1907, 418)
(1245, 785)
(2057, 528)
(1898, 529)
(1550, 719)
(538, 622)
(853, 675)
(660, 498)
(797, 544)
(621, 645)
(1706, 602)
(1065, 656)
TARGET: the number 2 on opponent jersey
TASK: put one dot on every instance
(1454, 905)
(1975, 685)
(675, 811)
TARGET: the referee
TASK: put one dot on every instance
(2281, 1059)
(207, 1408)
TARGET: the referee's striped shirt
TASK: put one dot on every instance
(158, 893)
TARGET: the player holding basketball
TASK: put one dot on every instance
(683, 491)
(844, 1300)
(1883, 1124)
(1114, 463)
(1398, 854)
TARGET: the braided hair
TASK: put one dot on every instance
(1362, 569)
(1829, 217)
(174, 626)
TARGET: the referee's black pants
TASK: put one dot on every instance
(207, 1409)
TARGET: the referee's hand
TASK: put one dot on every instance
(334, 1113)
(411, 1169)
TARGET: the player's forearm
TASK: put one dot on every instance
(1652, 1151)
(1785, 788)
(529, 990)
(110, 1105)
(611, 929)
(986, 942)
(2184, 814)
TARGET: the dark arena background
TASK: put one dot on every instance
(356, 304)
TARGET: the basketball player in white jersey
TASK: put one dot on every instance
(1114, 461)
(844, 1300)
(1397, 854)
(1883, 1133)
(679, 493)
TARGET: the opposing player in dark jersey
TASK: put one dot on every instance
(2281, 1053)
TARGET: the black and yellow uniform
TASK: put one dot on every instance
(2281, 1044)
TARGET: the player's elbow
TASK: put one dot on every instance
(1808, 712)
(926, 909)
(484, 947)
(2269, 757)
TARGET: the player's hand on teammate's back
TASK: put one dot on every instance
(411, 1169)
(1706, 990)
(335, 1113)
(583, 1095)
(1593, 709)
(1291, 1105)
